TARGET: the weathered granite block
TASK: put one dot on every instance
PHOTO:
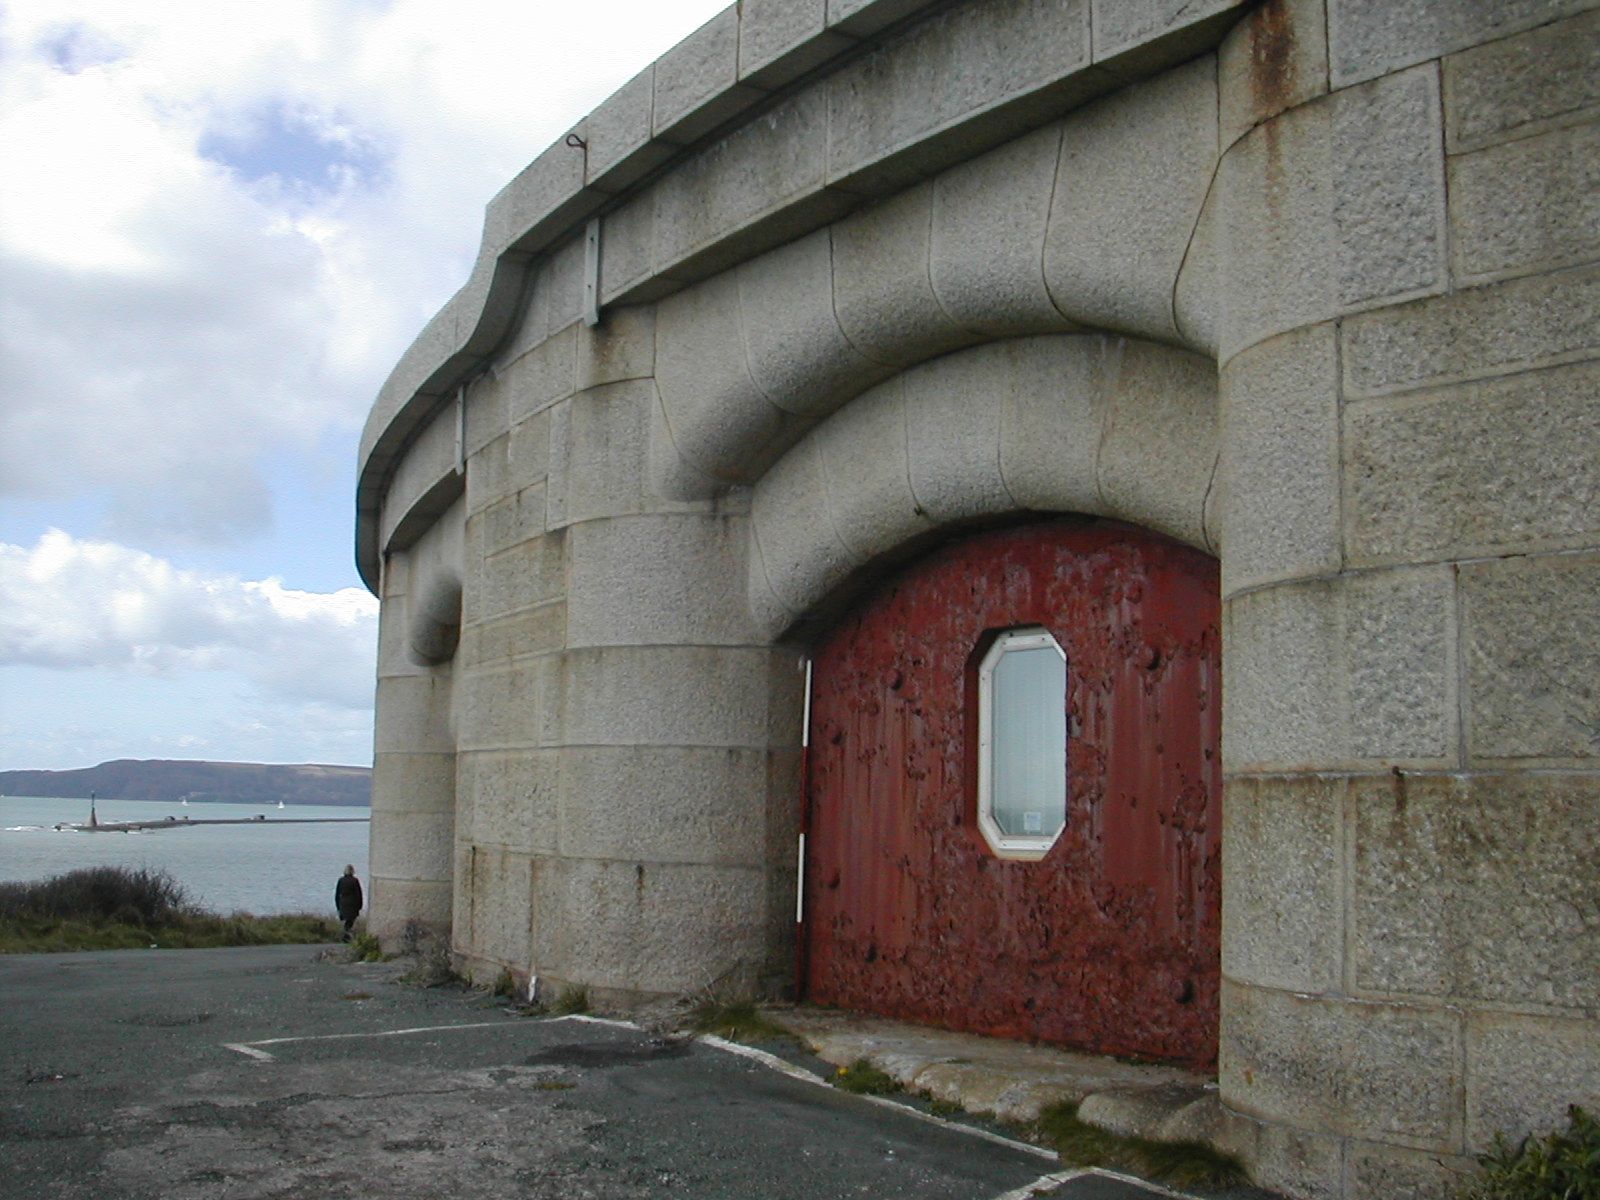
(1531, 639)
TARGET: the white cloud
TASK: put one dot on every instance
(79, 605)
(171, 319)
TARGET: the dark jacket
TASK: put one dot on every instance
(347, 896)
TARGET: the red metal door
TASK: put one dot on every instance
(1110, 942)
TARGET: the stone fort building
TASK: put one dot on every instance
(1121, 478)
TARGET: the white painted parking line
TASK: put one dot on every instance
(242, 1048)
(248, 1047)
(1137, 1182)
(794, 1072)
(586, 1019)
(1044, 1182)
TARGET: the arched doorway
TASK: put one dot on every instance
(1098, 925)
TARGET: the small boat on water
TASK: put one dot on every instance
(280, 803)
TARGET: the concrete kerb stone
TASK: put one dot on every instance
(991, 1076)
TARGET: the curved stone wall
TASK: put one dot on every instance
(1310, 284)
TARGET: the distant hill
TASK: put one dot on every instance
(164, 779)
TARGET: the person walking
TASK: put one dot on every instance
(347, 899)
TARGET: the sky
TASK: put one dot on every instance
(221, 222)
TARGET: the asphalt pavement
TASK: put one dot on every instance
(277, 1072)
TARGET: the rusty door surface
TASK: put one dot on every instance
(1110, 942)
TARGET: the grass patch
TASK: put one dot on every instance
(33, 935)
(573, 1000)
(119, 908)
(1564, 1165)
(740, 1022)
(861, 1078)
(1177, 1164)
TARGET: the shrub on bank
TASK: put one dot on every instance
(98, 894)
(122, 908)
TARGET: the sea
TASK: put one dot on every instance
(263, 867)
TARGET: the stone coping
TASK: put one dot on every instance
(704, 100)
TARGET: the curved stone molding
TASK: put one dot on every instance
(1089, 424)
(436, 618)
(1030, 238)
(877, 93)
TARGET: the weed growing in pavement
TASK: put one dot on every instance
(574, 999)
(1564, 1165)
(738, 1022)
(1177, 1164)
(365, 948)
(863, 1079)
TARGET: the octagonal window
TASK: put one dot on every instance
(1022, 743)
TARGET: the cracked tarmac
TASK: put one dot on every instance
(262, 1072)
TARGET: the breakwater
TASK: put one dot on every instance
(182, 822)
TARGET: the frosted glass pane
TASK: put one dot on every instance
(1028, 748)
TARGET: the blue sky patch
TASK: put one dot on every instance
(298, 150)
(77, 47)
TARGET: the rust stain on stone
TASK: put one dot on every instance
(1272, 66)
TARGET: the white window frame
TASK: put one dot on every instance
(1022, 847)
